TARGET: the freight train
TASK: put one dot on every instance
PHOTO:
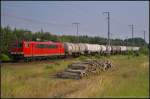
(34, 49)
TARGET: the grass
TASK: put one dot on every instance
(129, 77)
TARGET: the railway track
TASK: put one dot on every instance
(50, 61)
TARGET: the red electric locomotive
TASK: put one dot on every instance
(33, 49)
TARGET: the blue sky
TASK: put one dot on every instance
(57, 17)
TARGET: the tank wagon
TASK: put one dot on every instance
(82, 48)
(129, 48)
(113, 49)
(92, 48)
(123, 49)
(71, 48)
(108, 49)
(135, 49)
(103, 49)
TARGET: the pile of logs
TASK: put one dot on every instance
(79, 70)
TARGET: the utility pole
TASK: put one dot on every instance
(77, 30)
(108, 17)
(144, 35)
(111, 36)
(41, 31)
(2, 39)
(126, 40)
(1, 44)
(132, 27)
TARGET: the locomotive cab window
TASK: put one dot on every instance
(27, 45)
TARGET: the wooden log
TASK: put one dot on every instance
(85, 68)
(70, 75)
(78, 65)
(76, 71)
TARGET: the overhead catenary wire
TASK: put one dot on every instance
(34, 21)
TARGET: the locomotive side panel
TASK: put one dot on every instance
(27, 49)
(43, 49)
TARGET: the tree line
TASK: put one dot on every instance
(9, 35)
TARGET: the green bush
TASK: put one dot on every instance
(99, 56)
(4, 58)
(131, 54)
(82, 57)
(144, 50)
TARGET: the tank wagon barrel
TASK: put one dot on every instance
(71, 48)
(129, 48)
(103, 49)
(113, 49)
(135, 48)
(82, 48)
